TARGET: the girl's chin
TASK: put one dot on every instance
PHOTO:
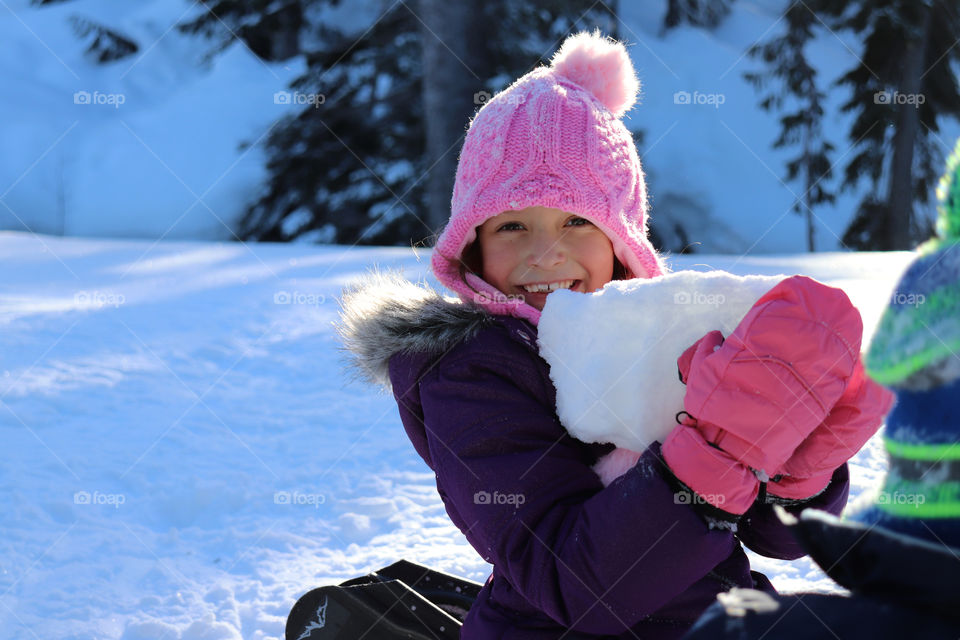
(535, 302)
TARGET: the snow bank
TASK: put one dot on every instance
(183, 456)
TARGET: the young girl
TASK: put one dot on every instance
(549, 193)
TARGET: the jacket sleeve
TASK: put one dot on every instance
(761, 530)
(594, 559)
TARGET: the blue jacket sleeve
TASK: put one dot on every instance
(761, 531)
(594, 559)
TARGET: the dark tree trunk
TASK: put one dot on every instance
(450, 84)
(808, 190)
(897, 231)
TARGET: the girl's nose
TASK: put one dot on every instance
(546, 250)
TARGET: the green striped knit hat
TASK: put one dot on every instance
(918, 338)
(916, 352)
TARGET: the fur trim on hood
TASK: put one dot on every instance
(384, 314)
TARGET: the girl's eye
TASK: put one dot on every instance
(516, 226)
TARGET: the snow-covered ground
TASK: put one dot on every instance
(183, 454)
(157, 144)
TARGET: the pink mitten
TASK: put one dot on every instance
(779, 374)
(753, 400)
(716, 477)
(712, 474)
(695, 353)
(854, 419)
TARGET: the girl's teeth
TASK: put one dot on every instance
(540, 288)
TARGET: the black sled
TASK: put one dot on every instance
(405, 600)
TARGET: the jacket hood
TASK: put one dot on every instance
(384, 314)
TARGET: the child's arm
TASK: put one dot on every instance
(595, 560)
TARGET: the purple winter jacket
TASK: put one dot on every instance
(571, 558)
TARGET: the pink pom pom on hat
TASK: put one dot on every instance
(552, 139)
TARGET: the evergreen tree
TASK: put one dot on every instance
(346, 170)
(699, 13)
(450, 38)
(787, 65)
(902, 82)
(106, 45)
(272, 29)
(352, 169)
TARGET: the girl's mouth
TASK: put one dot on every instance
(545, 288)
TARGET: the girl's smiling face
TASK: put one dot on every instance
(524, 250)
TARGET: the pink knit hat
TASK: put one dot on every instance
(553, 139)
